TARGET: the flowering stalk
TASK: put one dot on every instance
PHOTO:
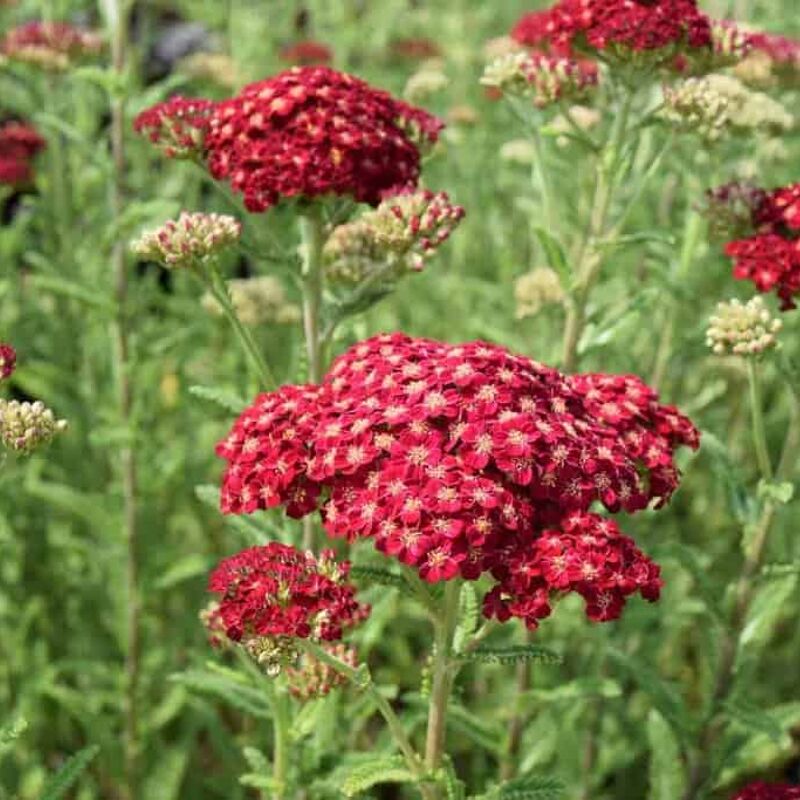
(588, 261)
(312, 232)
(444, 627)
(116, 18)
(219, 291)
(757, 415)
(280, 727)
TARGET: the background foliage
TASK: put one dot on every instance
(610, 718)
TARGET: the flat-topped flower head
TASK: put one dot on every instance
(273, 594)
(535, 289)
(643, 32)
(177, 126)
(189, 241)
(310, 678)
(546, 79)
(443, 455)
(53, 46)
(768, 791)
(8, 360)
(24, 427)
(19, 144)
(772, 58)
(767, 250)
(743, 329)
(312, 132)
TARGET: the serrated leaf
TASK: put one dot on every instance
(667, 774)
(514, 654)
(60, 783)
(387, 769)
(578, 689)
(184, 569)
(468, 617)
(781, 493)
(530, 787)
(224, 398)
(770, 603)
(237, 694)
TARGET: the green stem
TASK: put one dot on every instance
(543, 179)
(588, 263)
(757, 415)
(280, 759)
(363, 680)
(219, 291)
(444, 629)
(313, 236)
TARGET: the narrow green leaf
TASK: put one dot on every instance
(667, 774)
(60, 783)
(555, 255)
(753, 719)
(530, 787)
(514, 654)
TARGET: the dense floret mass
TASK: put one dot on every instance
(769, 791)
(8, 360)
(312, 131)
(177, 126)
(444, 455)
(277, 591)
(19, 143)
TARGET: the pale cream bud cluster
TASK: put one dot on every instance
(399, 236)
(536, 289)
(217, 68)
(715, 105)
(730, 44)
(744, 329)
(426, 82)
(508, 73)
(257, 301)
(189, 241)
(27, 426)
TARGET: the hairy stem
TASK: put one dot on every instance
(280, 757)
(442, 681)
(116, 17)
(312, 231)
(757, 416)
(216, 285)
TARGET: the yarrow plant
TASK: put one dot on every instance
(746, 329)
(306, 53)
(8, 361)
(51, 46)
(768, 791)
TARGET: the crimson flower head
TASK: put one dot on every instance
(782, 54)
(177, 126)
(312, 131)
(8, 360)
(769, 791)
(770, 255)
(275, 591)
(49, 45)
(19, 143)
(415, 49)
(306, 53)
(617, 30)
(454, 459)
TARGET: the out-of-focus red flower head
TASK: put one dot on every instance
(618, 29)
(310, 132)
(19, 143)
(306, 53)
(768, 791)
(50, 45)
(455, 459)
(8, 360)
(177, 126)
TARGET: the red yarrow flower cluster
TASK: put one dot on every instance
(444, 455)
(618, 28)
(769, 791)
(306, 53)
(50, 45)
(770, 256)
(277, 591)
(782, 51)
(310, 132)
(8, 360)
(19, 143)
(177, 126)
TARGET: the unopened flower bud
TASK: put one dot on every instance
(311, 678)
(518, 151)
(731, 209)
(257, 301)
(189, 241)
(26, 426)
(730, 44)
(271, 653)
(428, 81)
(747, 329)
(536, 289)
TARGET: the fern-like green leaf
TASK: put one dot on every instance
(224, 398)
(387, 769)
(514, 654)
(667, 776)
(468, 617)
(60, 783)
(529, 787)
